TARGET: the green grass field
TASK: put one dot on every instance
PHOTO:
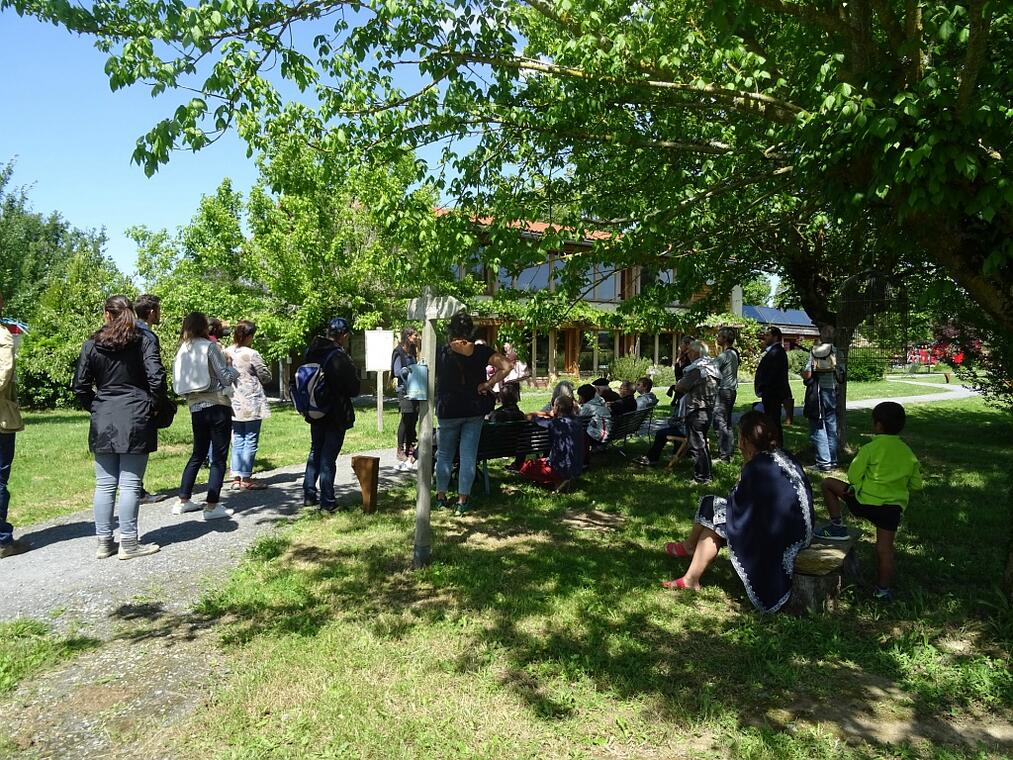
(539, 634)
(53, 473)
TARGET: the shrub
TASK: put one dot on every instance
(629, 368)
(797, 359)
(866, 365)
(663, 377)
(45, 371)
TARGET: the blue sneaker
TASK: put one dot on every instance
(463, 508)
(833, 533)
(884, 595)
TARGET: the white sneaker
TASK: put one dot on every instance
(403, 466)
(182, 507)
(218, 512)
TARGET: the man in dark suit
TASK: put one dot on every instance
(771, 381)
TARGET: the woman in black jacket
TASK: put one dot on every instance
(121, 381)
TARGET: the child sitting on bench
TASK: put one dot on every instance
(566, 447)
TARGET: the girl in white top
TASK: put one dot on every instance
(249, 404)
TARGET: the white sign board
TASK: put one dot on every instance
(379, 347)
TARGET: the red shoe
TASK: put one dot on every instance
(677, 583)
(676, 549)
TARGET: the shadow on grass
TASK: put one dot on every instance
(555, 604)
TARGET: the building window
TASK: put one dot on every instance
(585, 353)
(542, 352)
(606, 350)
(647, 346)
(534, 278)
(504, 278)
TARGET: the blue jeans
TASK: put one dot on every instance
(126, 473)
(211, 428)
(823, 433)
(6, 459)
(245, 437)
(458, 433)
(325, 445)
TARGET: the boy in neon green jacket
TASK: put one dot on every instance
(881, 478)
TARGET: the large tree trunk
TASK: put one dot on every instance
(1008, 576)
(963, 255)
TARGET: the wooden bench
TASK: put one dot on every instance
(820, 571)
(510, 439)
(626, 426)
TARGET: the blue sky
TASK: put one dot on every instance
(72, 138)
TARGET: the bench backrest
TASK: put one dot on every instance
(629, 423)
(512, 439)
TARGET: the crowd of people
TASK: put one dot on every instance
(766, 519)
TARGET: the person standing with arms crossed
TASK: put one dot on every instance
(10, 424)
(771, 380)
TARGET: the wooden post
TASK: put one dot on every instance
(657, 348)
(379, 402)
(615, 353)
(534, 355)
(552, 355)
(675, 345)
(430, 308)
(594, 355)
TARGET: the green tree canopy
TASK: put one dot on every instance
(685, 127)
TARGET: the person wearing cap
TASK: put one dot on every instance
(604, 391)
(327, 434)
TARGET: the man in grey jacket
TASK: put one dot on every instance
(698, 391)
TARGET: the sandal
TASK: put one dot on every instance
(237, 485)
(677, 583)
(253, 485)
(677, 549)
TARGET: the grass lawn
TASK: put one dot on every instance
(535, 636)
(28, 646)
(54, 474)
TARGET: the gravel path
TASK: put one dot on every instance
(61, 574)
(62, 578)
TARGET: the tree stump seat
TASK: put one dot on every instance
(820, 570)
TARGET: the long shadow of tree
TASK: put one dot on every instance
(558, 604)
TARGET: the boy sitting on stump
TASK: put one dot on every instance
(881, 478)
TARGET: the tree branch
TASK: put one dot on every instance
(829, 23)
(758, 104)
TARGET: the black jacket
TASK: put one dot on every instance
(622, 405)
(342, 380)
(771, 380)
(121, 389)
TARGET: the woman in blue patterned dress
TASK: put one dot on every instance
(765, 521)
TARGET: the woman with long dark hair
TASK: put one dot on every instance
(249, 404)
(463, 398)
(120, 379)
(404, 356)
(765, 521)
(202, 375)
